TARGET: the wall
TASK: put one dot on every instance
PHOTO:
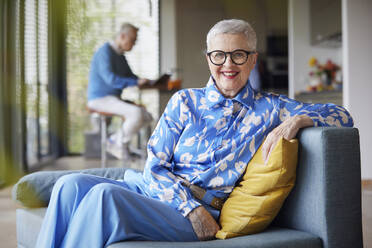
(300, 50)
(252, 11)
(168, 32)
(266, 17)
(357, 53)
(194, 19)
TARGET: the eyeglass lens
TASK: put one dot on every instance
(238, 57)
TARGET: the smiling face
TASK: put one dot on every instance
(230, 78)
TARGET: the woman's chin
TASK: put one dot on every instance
(231, 84)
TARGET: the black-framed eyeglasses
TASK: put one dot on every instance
(238, 57)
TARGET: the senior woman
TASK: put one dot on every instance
(204, 140)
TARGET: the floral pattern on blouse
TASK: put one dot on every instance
(209, 139)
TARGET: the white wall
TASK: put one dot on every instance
(357, 53)
(300, 49)
(168, 32)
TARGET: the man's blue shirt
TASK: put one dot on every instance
(109, 73)
(209, 140)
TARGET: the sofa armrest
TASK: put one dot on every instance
(34, 190)
(326, 200)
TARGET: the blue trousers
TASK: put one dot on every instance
(91, 211)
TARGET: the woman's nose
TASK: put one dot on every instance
(228, 60)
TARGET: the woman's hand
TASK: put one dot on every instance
(205, 227)
(288, 130)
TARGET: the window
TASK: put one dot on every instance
(90, 24)
(32, 85)
(36, 79)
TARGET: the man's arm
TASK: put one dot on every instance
(106, 71)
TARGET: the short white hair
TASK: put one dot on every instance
(126, 27)
(234, 26)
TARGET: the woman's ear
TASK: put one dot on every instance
(255, 58)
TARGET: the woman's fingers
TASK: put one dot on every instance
(265, 149)
(288, 130)
(269, 145)
(205, 227)
(283, 130)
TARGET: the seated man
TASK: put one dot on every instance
(109, 75)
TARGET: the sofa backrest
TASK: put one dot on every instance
(326, 199)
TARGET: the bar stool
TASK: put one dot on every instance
(103, 118)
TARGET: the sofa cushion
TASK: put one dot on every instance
(29, 224)
(255, 202)
(272, 237)
(34, 190)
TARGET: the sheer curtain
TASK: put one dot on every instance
(36, 79)
(31, 73)
(11, 131)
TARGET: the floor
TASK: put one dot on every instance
(7, 206)
(367, 215)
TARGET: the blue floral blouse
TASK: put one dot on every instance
(209, 139)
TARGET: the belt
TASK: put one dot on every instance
(203, 195)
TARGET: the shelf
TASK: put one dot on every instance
(332, 96)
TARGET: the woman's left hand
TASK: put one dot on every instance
(205, 227)
(288, 130)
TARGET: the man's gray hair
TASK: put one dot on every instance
(234, 26)
(126, 27)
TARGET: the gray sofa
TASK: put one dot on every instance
(323, 210)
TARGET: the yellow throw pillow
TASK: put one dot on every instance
(255, 202)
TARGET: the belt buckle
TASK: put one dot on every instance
(217, 203)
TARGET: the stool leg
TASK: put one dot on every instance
(103, 141)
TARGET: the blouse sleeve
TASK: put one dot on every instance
(163, 184)
(322, 114)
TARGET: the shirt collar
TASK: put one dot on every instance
(115, 47)
(214, 96)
